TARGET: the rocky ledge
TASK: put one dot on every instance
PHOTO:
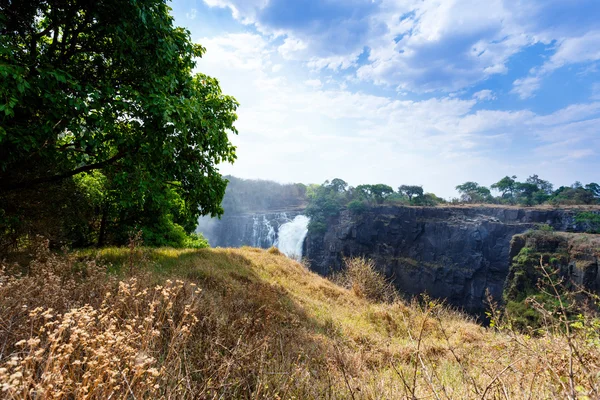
(455, 253)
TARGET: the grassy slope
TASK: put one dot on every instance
(377, 347)
(269, 328)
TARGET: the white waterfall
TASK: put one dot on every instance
(263, 232)
(291, 237)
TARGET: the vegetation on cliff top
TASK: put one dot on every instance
(250, 323)
(549, 272)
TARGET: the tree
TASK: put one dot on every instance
(472, 192)
(594, 188)
(338, 185)
(381, 192)
(541, 184)
(506, 186)
(411, 191)
(526, 192)
(108, 86)
(378, 192)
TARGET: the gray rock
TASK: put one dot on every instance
(452, 253)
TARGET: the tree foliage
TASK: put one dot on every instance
(411, 191)
(329, 199)
(472, 192)
(102, 93)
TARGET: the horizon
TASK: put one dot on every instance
(406, 92)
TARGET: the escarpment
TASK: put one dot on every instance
(454, 253)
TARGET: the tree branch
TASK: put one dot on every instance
(7, 186)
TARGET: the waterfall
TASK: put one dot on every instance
(291, 237)
(263, 232)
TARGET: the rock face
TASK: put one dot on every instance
(574, 256)
(454, 253)
(570, 263)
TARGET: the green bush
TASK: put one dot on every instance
(590, 220)
(357, 206)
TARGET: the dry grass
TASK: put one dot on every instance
(362, 277)
(255, 325)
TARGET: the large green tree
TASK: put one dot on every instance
(472, 192)
(506, 186)
(109, 86)
(411, 191)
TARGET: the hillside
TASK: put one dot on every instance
(251, 323)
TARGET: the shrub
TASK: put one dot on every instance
(275, 251)
(590, 220)
(357, 206)
(362, 277)
(545, 228)
(195, 241)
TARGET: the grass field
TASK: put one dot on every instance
(251, 323)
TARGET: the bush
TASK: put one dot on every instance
(317, 226)
(357, 206)
(590, 220)
(195, 241)
(362, 277)
(545, 228)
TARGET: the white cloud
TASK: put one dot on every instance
(425, 45)
(526, 87)
(573, 50)
(295, 130)
(191, 14)
(314, 83)
(291, 47)
(484, 95)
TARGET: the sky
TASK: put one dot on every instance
(426, 92)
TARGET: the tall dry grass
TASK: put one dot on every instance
(245, 323)
(362, 277)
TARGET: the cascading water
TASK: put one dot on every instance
(263, 232)
(291, 237)
(285, 230)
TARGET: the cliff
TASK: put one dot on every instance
(570, 260)
(454, 253)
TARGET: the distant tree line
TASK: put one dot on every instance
(328, 199)
(533, 191)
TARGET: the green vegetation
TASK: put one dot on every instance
(590, 220)
(550, 275)
(104, 127)
(327, 200)
(472, 192)
(534, 191)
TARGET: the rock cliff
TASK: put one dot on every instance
(455, 253)
(570, 262)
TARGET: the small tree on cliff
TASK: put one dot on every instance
(506, 186)
(377, 193)
(472, 192)
(411, 191)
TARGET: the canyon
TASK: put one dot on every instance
(459, 253)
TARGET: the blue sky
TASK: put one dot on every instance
(429, 92)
